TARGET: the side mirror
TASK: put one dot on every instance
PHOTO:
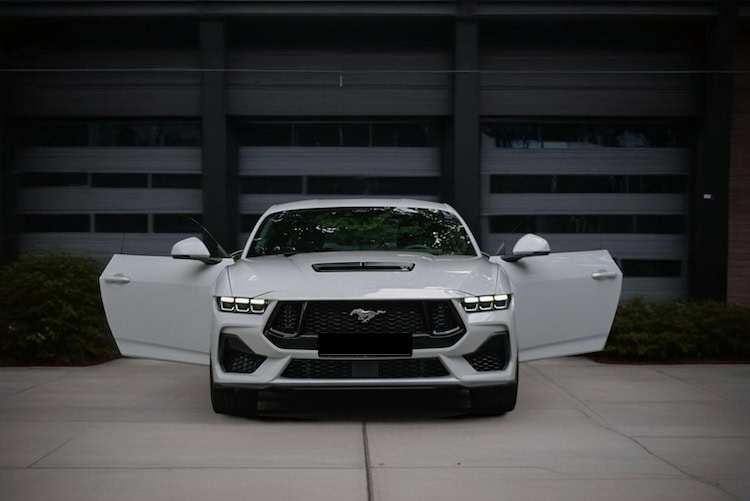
(193, 248)
(528, 245)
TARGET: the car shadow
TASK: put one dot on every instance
(358, 405)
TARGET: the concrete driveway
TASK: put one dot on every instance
(144, 430)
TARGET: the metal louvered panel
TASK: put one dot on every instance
(109, 200)
(347, 83)
(382, 161)
(111, 159)
(584, 203)
(108, 93)
(649, 161)
(560, 82)
(101, 245)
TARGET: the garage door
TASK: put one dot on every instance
(596, 185)
(99, 187)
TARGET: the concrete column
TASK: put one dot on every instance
(219, 172)
(710, 186)
(465, 168)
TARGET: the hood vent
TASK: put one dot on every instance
(363, 266)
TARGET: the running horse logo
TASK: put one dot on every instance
(365, 316)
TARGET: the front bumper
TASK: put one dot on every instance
(242, 356)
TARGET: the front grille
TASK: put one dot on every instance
(338, 317)
(491, 356)
(297, 324)
(235, 356)
(371, 369)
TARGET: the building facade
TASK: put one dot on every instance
(613, 124)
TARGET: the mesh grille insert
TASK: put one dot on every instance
(491, 356)
(373, 369)
(237, 357)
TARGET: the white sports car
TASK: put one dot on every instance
(361, 294)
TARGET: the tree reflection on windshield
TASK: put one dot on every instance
(361, 229)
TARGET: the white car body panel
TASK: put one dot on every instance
(159, 307)
(564, 303)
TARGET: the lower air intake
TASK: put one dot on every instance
(365, 369)
(491, 356)
(237, 357)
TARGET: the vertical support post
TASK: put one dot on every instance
(219, 173)
(465, 172)
(8, 230)
(710, 188)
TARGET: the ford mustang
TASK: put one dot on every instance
(361, 293)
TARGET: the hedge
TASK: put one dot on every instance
(51, 311)
(672, 331)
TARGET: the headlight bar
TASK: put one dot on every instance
(486, 303)
(242, 304)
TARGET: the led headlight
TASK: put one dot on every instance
(486, 303)
(242, 304)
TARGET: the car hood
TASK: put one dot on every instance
(373, 275)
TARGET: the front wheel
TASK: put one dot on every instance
(494, 400)
(233, 401)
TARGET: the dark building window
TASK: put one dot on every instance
(271, 184)
(584, 135)
(587, 184)
(356, 185)
(177, 223)
(54, 179)
(592, 223)
(403, 134)
(181, 181)
(55, 223)
(343, 134)
(121, 133)
(121, 223)
(119, 180)
(265, 134)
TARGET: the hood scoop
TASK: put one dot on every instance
(363, 266)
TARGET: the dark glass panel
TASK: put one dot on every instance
(121, 223)
(591, 223)
(317, 134)
(177, 223)
(265, 134)
(182, 181)
(54, 223)
(363, 185)
(355, 134)
(54, 133)
(146, 133)
(41, 179)
(119, 180)
(514, 136)
(271, 184)
(651, 268)
(572, 135)
(586, 184)
(403, 134)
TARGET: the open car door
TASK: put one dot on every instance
(160, 307)
(564, 303)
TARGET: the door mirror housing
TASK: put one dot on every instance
(193, 248)
(528, 245)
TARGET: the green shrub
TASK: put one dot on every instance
(51, 311)
(706, 330)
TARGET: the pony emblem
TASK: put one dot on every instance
(365, 316)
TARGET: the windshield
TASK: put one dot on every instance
(433, 231)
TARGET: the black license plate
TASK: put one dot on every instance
(368, 345)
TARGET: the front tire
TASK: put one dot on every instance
(233, 401)
(494, 400)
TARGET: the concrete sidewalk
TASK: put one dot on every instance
(144, 430)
